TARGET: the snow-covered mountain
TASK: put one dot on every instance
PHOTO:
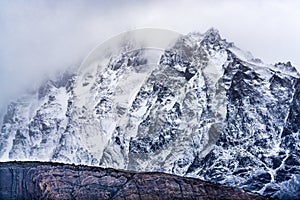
(202, 108)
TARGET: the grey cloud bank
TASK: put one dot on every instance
(39, 38)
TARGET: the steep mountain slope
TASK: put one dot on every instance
(202, 108)
(257, 149)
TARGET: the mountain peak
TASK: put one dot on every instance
(213, 39)
(212, 35)
(206, 109)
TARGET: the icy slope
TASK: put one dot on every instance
(202, 108)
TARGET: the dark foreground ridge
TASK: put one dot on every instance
(38, 180)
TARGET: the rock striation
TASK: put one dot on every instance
(35, 180)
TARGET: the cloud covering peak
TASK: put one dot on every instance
(39, 38)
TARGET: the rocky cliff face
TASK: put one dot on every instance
(33, 180)
(203, 108)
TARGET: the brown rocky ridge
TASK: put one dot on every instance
(39, 180)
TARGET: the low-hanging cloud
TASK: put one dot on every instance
(40, 38)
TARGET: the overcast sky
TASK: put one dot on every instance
(40, 37)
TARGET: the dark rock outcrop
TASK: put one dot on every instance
(36, 180)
